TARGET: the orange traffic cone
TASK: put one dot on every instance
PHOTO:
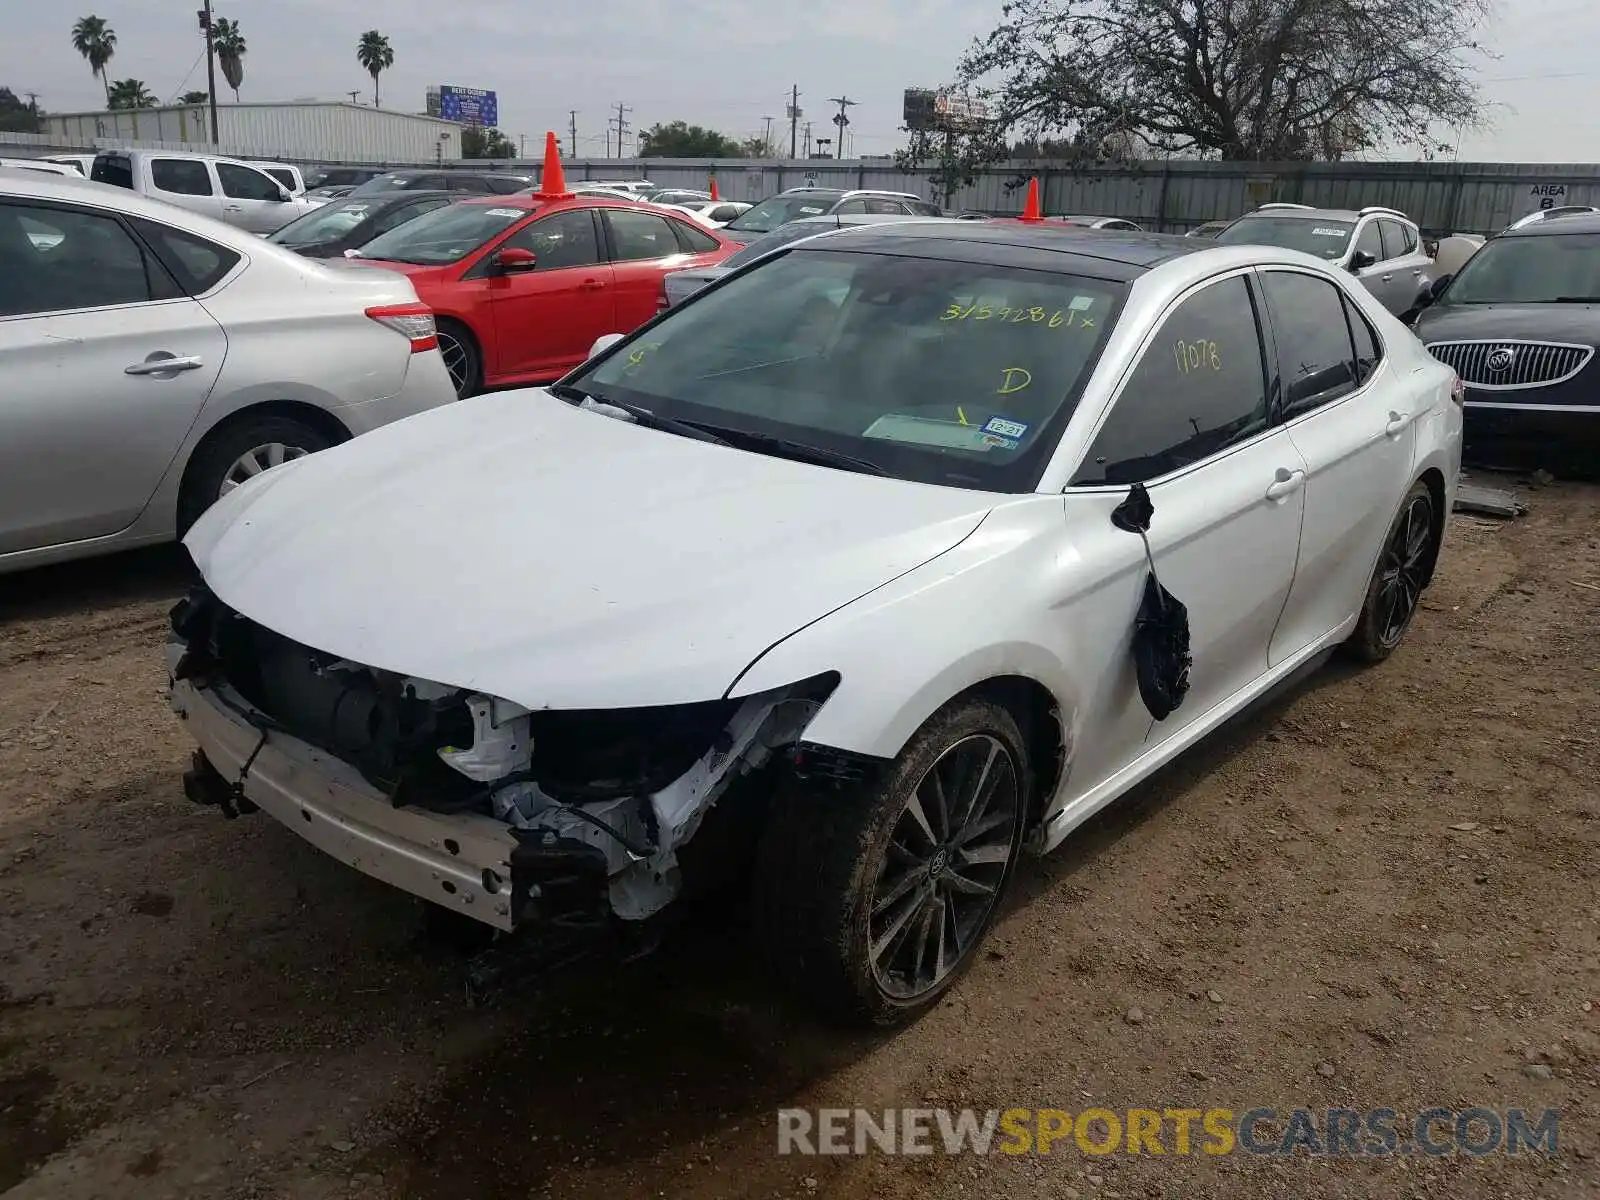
(553, 184)
(714, 195)
(1031, 211)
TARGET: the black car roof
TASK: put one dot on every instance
(1568, 223)
(1116, 255)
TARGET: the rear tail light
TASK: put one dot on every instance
(414, 322)
(1458, 390)
(662, 302)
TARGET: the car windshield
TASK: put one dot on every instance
(782, 236)
(938, 371)
(325, 224)
(1537, 269)
(445, 235)
(1323, 237)
(780, 210)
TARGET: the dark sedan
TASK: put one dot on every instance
(351, 223)
(1520, 324)
(475, 183)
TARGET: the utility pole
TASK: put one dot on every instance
(622, 125)
(794, 117)
(353, 96)
(572, 146)
(766, 138)
(841, 121)
(808, 139)
(522, 145)
(211, 68)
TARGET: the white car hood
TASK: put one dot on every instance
(559, 558)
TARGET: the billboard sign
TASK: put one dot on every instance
(926, 108)
(469, 106)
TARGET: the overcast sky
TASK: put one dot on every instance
(724, 63)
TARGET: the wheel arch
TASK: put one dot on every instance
(317, 418)
(1433, 479)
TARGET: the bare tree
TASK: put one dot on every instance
(1264, 80)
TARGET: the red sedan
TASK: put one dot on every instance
(522, 285)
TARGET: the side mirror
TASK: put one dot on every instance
(1360, 261)
(283, 195)
(513, 260)
(1437, 287)
(604, 342)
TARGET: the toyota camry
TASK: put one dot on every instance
(874, 565)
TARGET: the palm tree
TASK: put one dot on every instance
(194, 97)
(95, 40)
(130, 93)
(228, 43)
(375, 54)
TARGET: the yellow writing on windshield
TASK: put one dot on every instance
(1013, 379)
(640, 353)
(1009, 314)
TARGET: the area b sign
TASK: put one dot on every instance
(470, 106)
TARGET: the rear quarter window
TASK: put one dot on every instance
(197, 265)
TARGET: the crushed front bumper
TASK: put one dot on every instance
(461, 861)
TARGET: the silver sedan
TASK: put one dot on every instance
(154, 359)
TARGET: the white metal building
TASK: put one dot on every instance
(295, 130)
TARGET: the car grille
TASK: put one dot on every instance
(1508, 365)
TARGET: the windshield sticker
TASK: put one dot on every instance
(1003, 443)
(1319, 231)
(1197, 356)
(1001, 427)
(810, 210)
(1006, 314)
(1081, 303)
(510, 214)
(942, 435)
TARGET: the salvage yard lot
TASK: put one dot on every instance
(1381, 890)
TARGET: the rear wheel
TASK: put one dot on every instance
(459, 349)
(1395, 591)
(239, 452)
(872, 901)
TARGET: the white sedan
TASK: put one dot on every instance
(840, 579)
(154, 359)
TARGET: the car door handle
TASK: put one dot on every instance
(591, 285)
(161, 366)
(232, 208)
(1284, 483)
(1397, 423)
(1386, 278)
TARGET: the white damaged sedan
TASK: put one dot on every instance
(868, 568)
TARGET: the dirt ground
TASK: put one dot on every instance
(1378, 891)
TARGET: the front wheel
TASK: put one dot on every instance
(872, 901)
(1395, 591)
(239, 452)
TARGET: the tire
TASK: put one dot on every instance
(1400, 577)
(217, 466)
(462, 358)
(828, 886)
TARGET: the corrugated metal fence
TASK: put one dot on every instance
(1174, 197)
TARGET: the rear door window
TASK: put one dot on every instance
(246, 183)
(181, 176)
(1316, 360)
(637, 236)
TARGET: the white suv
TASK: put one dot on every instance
(1382, 247)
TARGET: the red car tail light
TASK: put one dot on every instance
(414, 322)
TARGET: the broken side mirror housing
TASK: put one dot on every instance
(604, 342)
